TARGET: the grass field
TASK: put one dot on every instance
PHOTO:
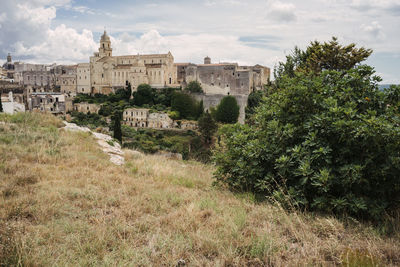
(62, 203)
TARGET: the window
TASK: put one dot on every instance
(103, 45)
(102, 75)
(57, 99)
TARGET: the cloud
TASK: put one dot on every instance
(194, 47)
(373, 30)
(61, 45)
(26, 32)
(282, 12)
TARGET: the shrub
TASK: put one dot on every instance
(227, 110)
(329, 142)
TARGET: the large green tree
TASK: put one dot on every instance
(227, 110)
(328, 142)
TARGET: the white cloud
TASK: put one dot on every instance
(27, 32)
(61, 45)
(373, 30)
(193, 48)
(280, 11)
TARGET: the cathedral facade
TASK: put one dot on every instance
(108, 72)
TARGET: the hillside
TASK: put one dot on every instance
(62, 203)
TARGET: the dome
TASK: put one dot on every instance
(105, 37)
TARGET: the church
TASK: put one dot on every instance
(108, 72)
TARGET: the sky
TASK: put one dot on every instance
(248, 32)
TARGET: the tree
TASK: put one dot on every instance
(143, 95)
(321, 56)
(186, 105)
(194, 87)
(128, 92)
(1, 104)
(328, 142)
(253, 101)
(227, 110)
(207, 127)
(116, 121)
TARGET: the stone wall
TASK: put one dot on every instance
(213, 101)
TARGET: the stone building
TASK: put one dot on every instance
(9, 67)
(83, 78)
(47, 102)
(159, 121)
(136, 117)
(108, 72)
(85, 107)
(68, 84)
(188, 125)
(224, 78)
(11, 105)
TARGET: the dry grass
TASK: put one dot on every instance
(62, 203)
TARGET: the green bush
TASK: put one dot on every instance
(92, 120)
(328, 142)
(227, 110)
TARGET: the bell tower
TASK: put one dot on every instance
(105, 49)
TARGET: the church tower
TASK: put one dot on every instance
(105, 49)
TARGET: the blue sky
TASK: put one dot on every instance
(247, 32)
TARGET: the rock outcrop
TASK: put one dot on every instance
(106, 142)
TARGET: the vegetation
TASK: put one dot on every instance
(325, 142)
(91, 120)
(228, 110)
(194, 87)
(319, 57)
(186, 106)
(143, 96)
(253, 101)
(116, 123)
(62, 203)
(207, 127)
(188, 144)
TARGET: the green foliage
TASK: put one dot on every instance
(325, 138)
(207, 127)
(194, 87)
(253, 101)
(186, 105)
(116, 125)
(188, 144)
(327, 142)
(321, 56)
(91, 120)
(143, 95)
(227, 110)
(174, 115)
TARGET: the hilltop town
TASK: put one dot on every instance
(52, 88)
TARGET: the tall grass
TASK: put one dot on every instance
(62, 203)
